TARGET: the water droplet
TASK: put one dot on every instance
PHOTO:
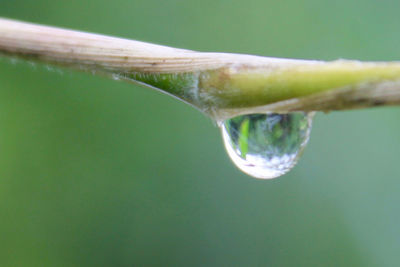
(116, 76)
(266, 145)
(13, 61)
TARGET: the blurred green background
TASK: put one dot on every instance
(95, 172)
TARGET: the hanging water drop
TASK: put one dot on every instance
(266, 145)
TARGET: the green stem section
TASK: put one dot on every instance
(248, 88)
(245, 88)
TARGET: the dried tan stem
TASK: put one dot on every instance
(70, 47)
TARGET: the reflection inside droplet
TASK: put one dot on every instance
(266, 145)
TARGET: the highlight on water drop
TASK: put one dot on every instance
(266, 145)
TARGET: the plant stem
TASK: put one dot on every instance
(221, 85)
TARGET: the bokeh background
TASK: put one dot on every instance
(95, 172)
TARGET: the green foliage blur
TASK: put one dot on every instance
(95, 172)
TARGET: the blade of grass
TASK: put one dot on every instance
(219, 84)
